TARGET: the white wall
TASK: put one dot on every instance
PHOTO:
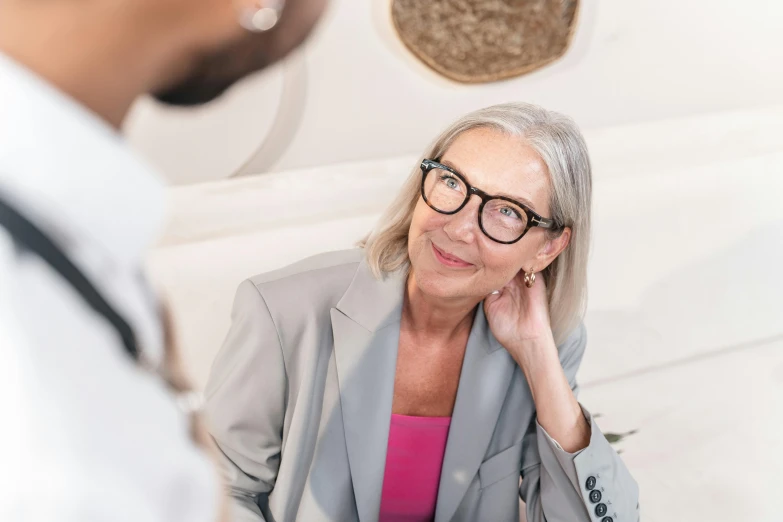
(356, 93)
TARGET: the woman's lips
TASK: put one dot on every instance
(448, 259)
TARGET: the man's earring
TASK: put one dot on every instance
(262, 16)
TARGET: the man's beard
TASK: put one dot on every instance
(193, 91)
(213, 74)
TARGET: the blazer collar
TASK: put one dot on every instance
(374, 303)
(366, 329)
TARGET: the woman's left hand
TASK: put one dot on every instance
(519, 319)
(518, 315)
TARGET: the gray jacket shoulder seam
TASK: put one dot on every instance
(277, 330)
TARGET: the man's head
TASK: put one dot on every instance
(105, 53)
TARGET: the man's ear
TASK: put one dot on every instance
(552, 248)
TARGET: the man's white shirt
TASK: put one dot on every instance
(85, 435)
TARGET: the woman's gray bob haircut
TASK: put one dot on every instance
(561, 146)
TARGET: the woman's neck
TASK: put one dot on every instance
(436, 317)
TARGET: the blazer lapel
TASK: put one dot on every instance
(366, 327)
(484, 381)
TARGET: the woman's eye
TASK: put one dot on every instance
(509, 212)
(450, 182)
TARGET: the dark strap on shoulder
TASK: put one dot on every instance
(31, 238)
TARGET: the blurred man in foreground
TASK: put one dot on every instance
(98, 421)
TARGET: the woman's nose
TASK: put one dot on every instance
(463, 225)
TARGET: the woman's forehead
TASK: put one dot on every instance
(500, 164)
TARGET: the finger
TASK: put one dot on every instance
(492, 297)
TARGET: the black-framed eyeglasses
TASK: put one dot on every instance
(502, 219)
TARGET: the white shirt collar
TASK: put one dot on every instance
(71, 169)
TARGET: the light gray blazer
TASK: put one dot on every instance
(300, 401)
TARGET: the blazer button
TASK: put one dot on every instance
(607, 519)
(600, 510)
(595, 496)
(590, 484)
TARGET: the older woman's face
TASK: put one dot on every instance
(499, 165)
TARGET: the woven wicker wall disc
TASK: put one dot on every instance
(475, 41)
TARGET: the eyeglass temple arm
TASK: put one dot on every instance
(543, 222)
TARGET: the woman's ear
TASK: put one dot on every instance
(552, 248)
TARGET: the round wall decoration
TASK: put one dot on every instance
(476, 41)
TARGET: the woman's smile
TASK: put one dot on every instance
(449, 260)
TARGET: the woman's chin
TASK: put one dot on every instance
(441, 286)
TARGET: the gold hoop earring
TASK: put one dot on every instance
(530, 278)
(263, 16)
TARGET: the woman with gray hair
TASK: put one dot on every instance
(430, 374)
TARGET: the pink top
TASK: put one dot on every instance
(413, 462)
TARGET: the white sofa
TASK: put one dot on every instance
(686, 291)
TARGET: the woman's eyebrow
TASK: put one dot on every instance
(526, 202)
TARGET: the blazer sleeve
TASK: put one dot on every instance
(557, 486)
(245, 404)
